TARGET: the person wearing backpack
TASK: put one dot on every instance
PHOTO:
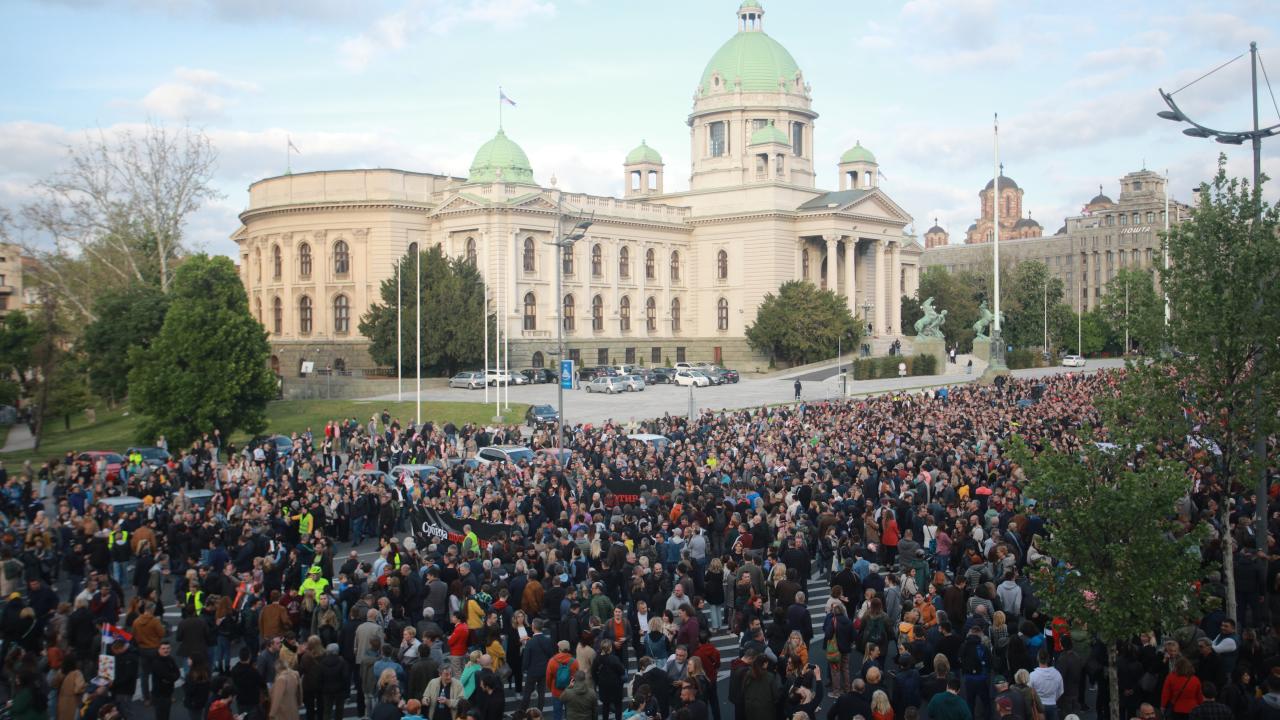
(560, 672)
(837, 630)
(975, 668)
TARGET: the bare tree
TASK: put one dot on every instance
(120, 206)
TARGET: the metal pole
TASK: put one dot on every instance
(485, 372)
(1126, 314)
(1166, 246)
(506, 336)
(1046, 313)
(1079, 334)
(399, 338)
(1259, 437)
(559, 321)
(418, 315)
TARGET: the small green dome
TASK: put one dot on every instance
(857, 153)
(751, 60)
(768, 134)
(501, 154)
(750, 5)
(644, 154)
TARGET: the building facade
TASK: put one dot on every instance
(660, 277)
(1089, 248)
(13, 296)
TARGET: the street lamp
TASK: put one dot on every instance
(562, 242)
(1226, 137)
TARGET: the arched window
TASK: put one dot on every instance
(650, 273)
(528, 255)
(304, 260)
(675, 314)
(341, 258)
(675, 265)
(722, 265)
(304, 315)
(257, 262)
(597, 313)
(568, 313)
(597, 261)
(471, 251)
(257, 309)
(537, 361)
(566, 260)
(651, 314)
(624, 314)
(624, 262)
(277, 262)
(277, 316)
(413, 249)
(722, 315)
(339, 365)
(275, 365)
(341, 315)
(530, 312)
(804, 264)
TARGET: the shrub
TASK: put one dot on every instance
(1024, 358)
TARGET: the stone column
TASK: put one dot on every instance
(832, 259)
(800, 260)
(557, 303)
(894, 296)
(878, 272)
(851, 274)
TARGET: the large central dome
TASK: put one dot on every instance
(751, 60)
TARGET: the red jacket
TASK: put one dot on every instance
(458, 640)
(710, 658)
(1182, 692)
(557, 660)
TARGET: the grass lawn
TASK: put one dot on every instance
(115, 429)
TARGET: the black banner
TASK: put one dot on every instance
(624, 492)
(430, 526)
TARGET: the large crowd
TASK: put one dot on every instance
(257, 602)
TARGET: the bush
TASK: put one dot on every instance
(887, 367)
(1024, 358)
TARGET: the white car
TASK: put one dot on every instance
(606, 384)
(501, 377)
(468, 380)
(633, 383)
(504, 454)
(1073, 361)
(686, 378)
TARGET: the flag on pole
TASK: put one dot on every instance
(111, 633)
(502, 97)
(291, 145)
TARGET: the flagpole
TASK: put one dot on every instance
(506, 337)
(484, 278)
(499, 107)
(418, 314)
(399, 337)
(995, 199)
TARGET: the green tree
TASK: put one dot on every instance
(1027, 290)
(452, 315)
(1131, 302)
(1062, 328)
(123, 319)
(68, 391)
(207, 369)
(20, 337)
(1097, 334)
(1122, 561)
(959, 294)
(911, 312)
(802, 324)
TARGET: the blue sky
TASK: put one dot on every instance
(413, 84)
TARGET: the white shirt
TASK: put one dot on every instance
(1047, 682)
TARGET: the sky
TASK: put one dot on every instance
(413, 84)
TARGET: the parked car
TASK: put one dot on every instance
(540, 416)
(199, 497)
(114, 462)
(662, 375)
(633, 383)
(685, 378)
(684, 366)
(627, 369)
(120, 505)
(419, 472)
(503, 453)
(502, 377)
(537, 376)
(151, 455)
(467, 380)
(605, 384)
(731, 376)
(590, 373)
(561, 455)
(378, 475)
(657, 442)
(715, 374)
(650, 377)
(1072, 361)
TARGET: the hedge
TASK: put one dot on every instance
(1024, 358)
(887, 367)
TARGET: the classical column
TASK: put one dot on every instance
(832, 259)
(878, 272)
(851, 274)
(894, 296)
(557, 303)
(799, 260)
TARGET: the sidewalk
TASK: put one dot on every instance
(20, 438)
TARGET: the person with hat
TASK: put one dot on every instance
(315, 583)
(560, 671)
(1013, 698)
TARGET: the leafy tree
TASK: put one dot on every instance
(123, 319)
(1122, 561)
(68, 391)
(452, 315)
(19, 338)
(802, 324)
(1097, 334)
(911, 312)
(959, 294)
(1062, 328)
(207, 369)
(1131, 301)
(1027, 289)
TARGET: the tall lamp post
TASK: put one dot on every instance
(563, 242)
(1238, 137)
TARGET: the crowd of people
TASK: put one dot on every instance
(258, 603)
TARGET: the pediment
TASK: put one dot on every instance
(457, 203)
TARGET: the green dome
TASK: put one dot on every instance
(857, 153)
(750, 5)
(644, 154)
(752, 60)
(501, 154)
(768, 134)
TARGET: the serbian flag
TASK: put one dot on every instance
(111, 633)
(502, 97)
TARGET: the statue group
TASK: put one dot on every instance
(930, 326)
(985, 318)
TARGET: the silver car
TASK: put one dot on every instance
(605, 384)
(633, 383)
(468, 380)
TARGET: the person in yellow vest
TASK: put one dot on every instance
(470, 541)
(118, 546)
(305, 523)
(314, 582)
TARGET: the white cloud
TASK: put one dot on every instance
(1130, 56)
(235, 11)
(1222, 31)
(969, 25)
(392, 32)
(195, 94)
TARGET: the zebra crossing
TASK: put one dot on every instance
(726, 643)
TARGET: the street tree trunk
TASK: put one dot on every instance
(1113, 679)
(1228, 559)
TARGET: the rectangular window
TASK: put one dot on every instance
(1151, 217)
(680, 354)
(576, 356)
(602, 356)
(655, 355)
(1124, 219)
(758, 124)
(631, 356)
(718, 139)
(797, 139)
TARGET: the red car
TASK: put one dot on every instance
(114, 462)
